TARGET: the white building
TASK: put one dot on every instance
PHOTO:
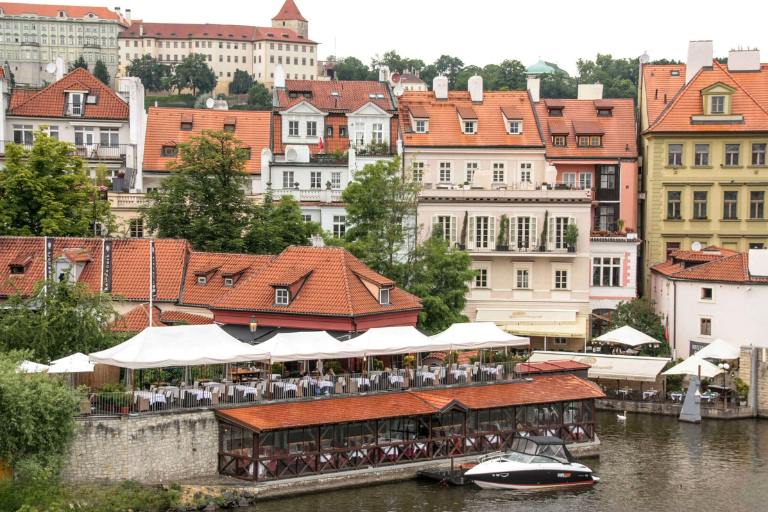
(614, 275)
(712, 293)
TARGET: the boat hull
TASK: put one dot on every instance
(531, 476)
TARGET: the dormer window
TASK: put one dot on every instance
(515, 127)
(555, 111)
(384, 296)
(559, 141)
(75, 104)
(17, 269)
(591, 141)
(186, 125)
(470, 127)
(202, 280)
(169, 151)
(717, 104)
(229, 124)
(229, 282)
(282, 296)
(421, 126)
(604, 112)
(674, 72)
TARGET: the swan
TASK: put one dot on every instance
(622, 417)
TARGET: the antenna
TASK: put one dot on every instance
(696, 246)
(50, 67)
(210, 103)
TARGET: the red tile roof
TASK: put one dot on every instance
(164, 129)
(17, 250)
(551, 367)
(662, 82)
(335, 95)
(289, 12)
(182, 317)
(445, 129)
(722, 265)
(52, 11)
(137, 319)
(540, 390)
(580, 118)
(219, 264)
(709, 253)
(51, 101)
(333, 288)
(245, 33)
(749, 99)
(130, 268)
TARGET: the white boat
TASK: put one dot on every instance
(533, 463)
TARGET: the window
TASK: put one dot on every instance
(186, 126)
(75, 106)
(445, 172)
(673, 205)
(335, 180)
(359, 128)
(756, 205)
(136, 228)
(604, 112)
(561, 279)
(342, 131)
(559, 141)
(384, 296)
(229, 282)
(560, 224)
(288, 179)
(169, 151)
(339, 225)
(418, 172)
(607, 176)
(522, 278)
(606, 271)
(705, 326)
(701, 155)
(481, 278)
(585, 180)
(293, 128)
(596, 141)
(498, 172)
(675, 155)
(469, 127)
(758, 154)
(315, 179)
(229, 127)
(109, 137)
(582, 141)
(706, 294)
(672, 247)
(732, 155)
(700, 205)
(328, 132)
(445, 227)
(282, 296)
(420, 126)
(606, 217)
(377, 133)
(515, 127)
(730, 205)
(525, 172)
(17, 269)
(311, 128)
(470, 170)
(717, 105)
(23, 134)
(306, 217)
(756, 245)
(482, 234)
(202, 280)
(560, 340)
(523, 232)
(569, 179)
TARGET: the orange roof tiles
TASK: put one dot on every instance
(52, 11)
(245, 33)
(541, 389)
(749, 99)
(137, 319)
(551, 367)
(335, 95)
(332, 289)
(580, 117)
(164, 128)
(418, 112)
(289, 12)
(721, 265)
(466, 112)
(181, 317)
(221, 263)
(662, 82)
(445, 129)
(16, 250)
(130, 264)
(51, 101)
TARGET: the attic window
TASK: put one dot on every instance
(515, 126)
(469, 127)
(675, 72)
(421, 126)
(17, 269)
(555, 111)
(202, 280)
(559, 141)
(186, 125)
(384, 296)
(229, 124)
(169, 151)
(593, 141)
(334, 93)
(604, 112)
(282, 296)
(229, 282)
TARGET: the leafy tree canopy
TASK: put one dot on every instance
(641, 315)
(193, 73)
(153, 74)
(100, 71)
(259, 97)
(618, 76)
(241, 82)
(351, 68)
(78, 63)
(275, 225)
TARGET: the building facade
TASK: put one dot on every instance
(227, 48)
(705, 134)
(35, 35)
(481, 161)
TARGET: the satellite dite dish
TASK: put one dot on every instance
(50, 67)
(210, 103)
(696, 246)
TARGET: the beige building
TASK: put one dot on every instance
(256, 50)
(35, 35)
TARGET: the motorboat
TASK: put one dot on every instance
(532, 463)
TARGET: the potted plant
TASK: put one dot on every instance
(409, 360)
(620, 225)
(543, 237)
(571, 237)
(502, 241)
(742, 390)
(463, 240)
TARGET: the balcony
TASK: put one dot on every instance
(536, 250)
(513, 192)
(124, 153)
(127, 201)
(314, 194)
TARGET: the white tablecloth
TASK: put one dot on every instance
(286, 386)
(363, 381)
(154, 398)
(394, 379)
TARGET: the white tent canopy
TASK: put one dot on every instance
(389, 340)
(695, 365)
(181, 345)
(720, 350)
(299, 346)
(76, 363)
(628, 336)
(475, 335)
(31, 367)
(609, 366)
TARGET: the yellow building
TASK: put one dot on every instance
(705, 134)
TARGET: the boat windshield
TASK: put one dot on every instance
(526, 450)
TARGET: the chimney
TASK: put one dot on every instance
(534, 88)
(475, 88)
(590, 92)
(141, 30)
(440, 87)
(384, 74)
(60, 68)
(744, 60)
(128, 14)
(699, 55)
(279, 79)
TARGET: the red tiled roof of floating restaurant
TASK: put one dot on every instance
(550, 367)
(541, 389)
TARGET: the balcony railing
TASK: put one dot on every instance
(313, 194)
(532, 249)
(124, 153)
(128, 201)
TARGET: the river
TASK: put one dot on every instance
(648, 464)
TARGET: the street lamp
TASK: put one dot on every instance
(253, 324)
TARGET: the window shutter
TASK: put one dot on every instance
(491, 232)
(513, 234)
(435, 225)
(453, 230)
(471, 234)
(534, 240)
(551, 233)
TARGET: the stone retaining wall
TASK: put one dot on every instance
(150, 449)
(670, 409)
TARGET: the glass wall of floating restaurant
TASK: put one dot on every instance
(288, 453)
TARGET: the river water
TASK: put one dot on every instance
(648, 464)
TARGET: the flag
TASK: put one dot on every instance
(321, 146)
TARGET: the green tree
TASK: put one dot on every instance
(351, 68)
(241, 82)
(203, 200)
(379, 204)
(277, 224)
(59, 318)
(153, 74)
(259, 97)
(439, 276)
(450, 67)
(618, 76)
(194, 73)
(396, 63)
(100, 72)
(78, 63)
(44, 191)
(558, 85)
(641, 315)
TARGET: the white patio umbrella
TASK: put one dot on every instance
(720, 350)
(304, 345)
(628, 336)
(695, 366)
(31, 367)
(390, 340)
(475, 335)
(76, 363)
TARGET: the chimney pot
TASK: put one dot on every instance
(744, 60)
(475, 87)
(440, 87)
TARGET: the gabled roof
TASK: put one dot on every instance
(333, 288)
(444, 127)
(335, 95)
(289, 12)
(714, 264)
(662, 82)
(51, 101)
(164, 128)
(52, 11)
(244, 33)
(245, 265)
(749, 99)
(580, 118)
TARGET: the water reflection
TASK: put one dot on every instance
(648, 464)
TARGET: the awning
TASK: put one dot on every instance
(553, 324)
(475, 335)
(609, 366)
(628, 336)
(304, 345)
(31, 367)
(719, 350)
(694, 365)
(76, 363)
(389, 340)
